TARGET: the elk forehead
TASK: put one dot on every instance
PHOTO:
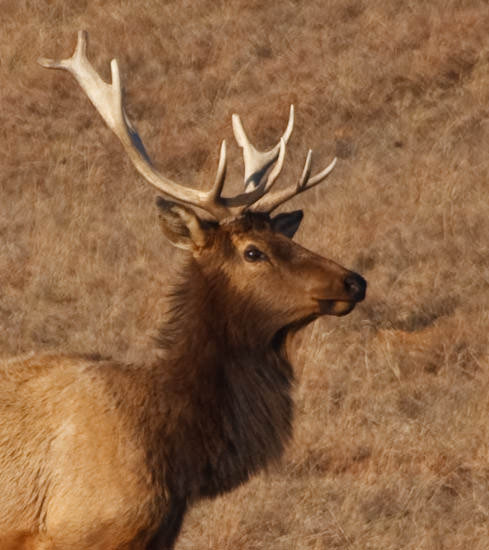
(255, 228)
(258, 229)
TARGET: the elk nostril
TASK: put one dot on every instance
(356, 286)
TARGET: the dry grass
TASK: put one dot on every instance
(391, 445)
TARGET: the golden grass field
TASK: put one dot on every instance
(391, 445)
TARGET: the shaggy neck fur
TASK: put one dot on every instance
(228, 381)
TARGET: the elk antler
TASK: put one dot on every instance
(257, 162)
(108, 100)
(273, 200)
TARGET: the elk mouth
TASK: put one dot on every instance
(336, 307)
(355, 287)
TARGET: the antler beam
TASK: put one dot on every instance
(108, 100)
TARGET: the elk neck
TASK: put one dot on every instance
(227, 376)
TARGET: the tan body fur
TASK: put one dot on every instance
(82, 491)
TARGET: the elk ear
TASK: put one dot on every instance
(180, 225)
(287, 223)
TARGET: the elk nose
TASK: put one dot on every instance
(356, 286)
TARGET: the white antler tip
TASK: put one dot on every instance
(290, 124)
(114, 70)
(221, 170)
(292, 112)
(306, 172)
(47, 63)
(222, 155)
(81, 44)
(322, 175)
(239, 133)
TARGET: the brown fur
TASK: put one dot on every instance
(100, 455)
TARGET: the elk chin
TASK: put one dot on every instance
(335, 307)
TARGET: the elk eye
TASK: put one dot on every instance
(252, 254)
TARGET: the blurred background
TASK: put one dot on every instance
(391, 446)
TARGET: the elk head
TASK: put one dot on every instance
(239, 235)
(264, 269)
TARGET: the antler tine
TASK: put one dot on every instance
(275, 172)
(257, 162)
(240, 203)
(273, 200)
(221, 172)
(306, 172)
(108, 100)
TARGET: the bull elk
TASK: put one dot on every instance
(95, 454)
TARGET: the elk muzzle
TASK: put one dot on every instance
(354, 290)
(355, 286)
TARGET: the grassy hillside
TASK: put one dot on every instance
(391, 446)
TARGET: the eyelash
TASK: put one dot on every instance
(252, 254)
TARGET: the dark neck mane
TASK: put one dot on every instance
(227, 384)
